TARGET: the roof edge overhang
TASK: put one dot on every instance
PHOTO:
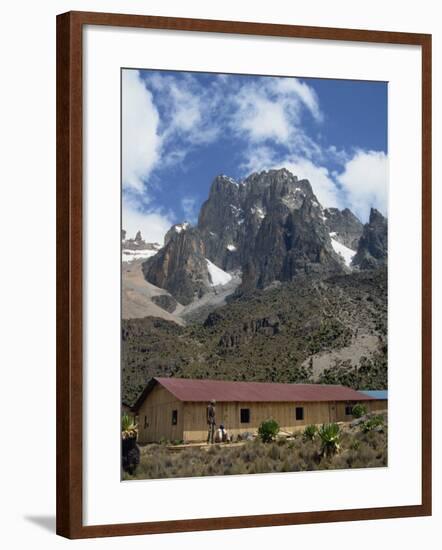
(149, 387)
(153, 382)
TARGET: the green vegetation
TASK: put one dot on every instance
(359, 410)
(310, 432)
(370, 374)
(373, 423)
(266, 335)
(268, 430)
(330, 436)
(358, 449)
(128, 427)
(130, 452)
(328, 333)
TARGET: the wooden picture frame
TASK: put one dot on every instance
(70, 272)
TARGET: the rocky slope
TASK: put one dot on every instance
(141, 299)
(345, 225)
(373, 245)
(276, 334)
(180, 266)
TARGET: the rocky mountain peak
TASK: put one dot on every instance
(180, 266)
(137, 248)
(270, 227)
(376, 218)
(223, 183)
(347, 228)
(176, 229)
(373, 245)
(266, 177)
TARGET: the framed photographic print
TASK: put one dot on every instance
(243, 274)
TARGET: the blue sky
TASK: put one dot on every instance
(181, 129)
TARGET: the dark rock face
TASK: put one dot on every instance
(346, 226)
(291, 244)
(177, 228)
(166, 302)
(269, 226)
(231, 217)
(268, 326)
(373, 244)
(180, 266)
(220, 223)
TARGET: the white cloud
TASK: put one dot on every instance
(340, 156)
(365, 182)
(362, 184)
(268, 113)
(187, 108)
(188, 204)
(292, 88)
(261, 119)
(324, 187)
(141, 141)
(153, 225)
(264, 111)
(257, 159)
(321, 181)
(271, 109)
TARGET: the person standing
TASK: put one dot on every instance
(211, 420)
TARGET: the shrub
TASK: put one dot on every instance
(359, 410)
(309, 455)
(268, 430)
(330, 435)
(376, 422)
(357, 449)
(274, 452)
(128, 427)
(130, 452)
(310, 432)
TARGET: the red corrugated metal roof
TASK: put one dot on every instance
(186, 389)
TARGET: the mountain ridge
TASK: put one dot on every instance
(269, 286)
(269, 226)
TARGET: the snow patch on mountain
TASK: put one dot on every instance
(345, 252)
(181, 227)
(217, 275)
(128, 255)
(259, 212)
(229, 179)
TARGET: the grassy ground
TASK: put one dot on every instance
(357, 450)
